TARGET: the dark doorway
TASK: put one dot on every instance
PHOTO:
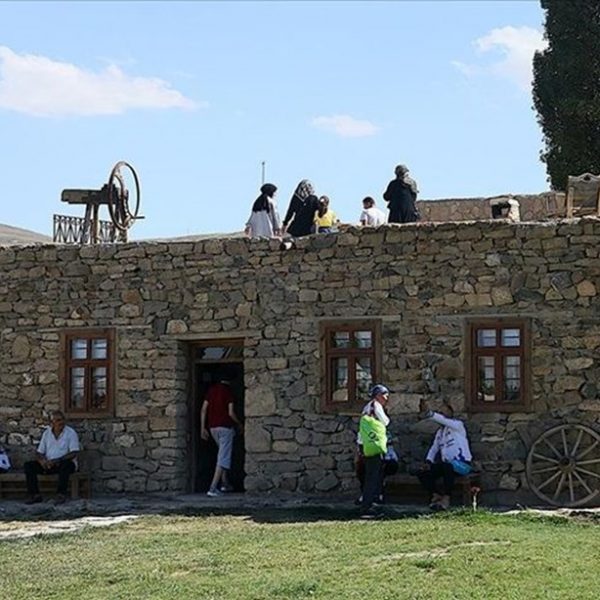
(216, 361)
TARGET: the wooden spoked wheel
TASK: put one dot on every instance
(563, 466)
(122, 207)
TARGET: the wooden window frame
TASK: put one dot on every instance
(473, 352)
(67, 363)
(329, 353)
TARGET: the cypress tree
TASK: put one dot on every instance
(566, 89)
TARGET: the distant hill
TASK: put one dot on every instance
(195, 238)
(15, 235)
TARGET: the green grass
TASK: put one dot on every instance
(294, 555)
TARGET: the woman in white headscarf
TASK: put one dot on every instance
(300, 215)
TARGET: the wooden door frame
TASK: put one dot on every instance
(193, 400)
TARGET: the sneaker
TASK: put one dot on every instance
(435, 500)
(227, 489)
(214, 493)
(372, 512)
(444, 503)
(34, 499)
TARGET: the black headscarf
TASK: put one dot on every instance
(262, 202)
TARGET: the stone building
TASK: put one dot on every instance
(502, 319)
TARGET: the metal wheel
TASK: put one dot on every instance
(119, 205)
(563, 465)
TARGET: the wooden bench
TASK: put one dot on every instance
(403, 487)
(13, 485)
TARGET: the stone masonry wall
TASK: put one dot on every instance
(423, 281)
(533, 207)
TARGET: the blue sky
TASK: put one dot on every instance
(196, 94)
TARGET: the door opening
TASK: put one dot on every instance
(213, 362)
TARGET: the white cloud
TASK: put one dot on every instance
(39, 86)
(345, 126)
(514, 48)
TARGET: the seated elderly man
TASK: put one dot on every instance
(56, 453)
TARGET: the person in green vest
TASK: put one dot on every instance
(374, 422)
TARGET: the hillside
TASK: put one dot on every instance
(14, 235)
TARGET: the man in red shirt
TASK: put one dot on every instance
(218, 416)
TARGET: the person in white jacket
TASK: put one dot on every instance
(449, 444)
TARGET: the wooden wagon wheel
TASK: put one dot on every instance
(563, 465)
(123, 212)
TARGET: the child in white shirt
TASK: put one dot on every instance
(371, 216)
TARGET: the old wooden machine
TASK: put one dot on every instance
(123, 209)
(583, 195)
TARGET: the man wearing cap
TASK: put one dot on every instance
(401, 197)
(373, 465)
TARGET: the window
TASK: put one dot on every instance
(350, 363)
(498, 365)
(88, 372)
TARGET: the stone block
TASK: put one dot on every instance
(327, 483)
(282, 433)
(260, 401)
(577, 364)
(21, 347)
(176, 326)
(125, 441)
(509, 482)
(285, 446)
(586, 288)
(256, 438)
(404, 403)
(501, 296)
(115, 463)
(568, 382)
(130, 310)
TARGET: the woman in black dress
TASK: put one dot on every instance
(300, 215)
(401, 197)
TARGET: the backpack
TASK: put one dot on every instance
(373, 436)
(4, 461)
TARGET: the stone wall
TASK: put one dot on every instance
(533, 207)
(421, 280)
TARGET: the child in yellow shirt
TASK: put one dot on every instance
(325, 218)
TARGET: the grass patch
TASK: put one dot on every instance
(285, 555)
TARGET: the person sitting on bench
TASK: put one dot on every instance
(448, 455)
(56, 453)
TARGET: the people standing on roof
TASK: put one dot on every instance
(300, 216)
(325, 218)
(264, 219)
(401, 197)
(371, 216)
(448, 456)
